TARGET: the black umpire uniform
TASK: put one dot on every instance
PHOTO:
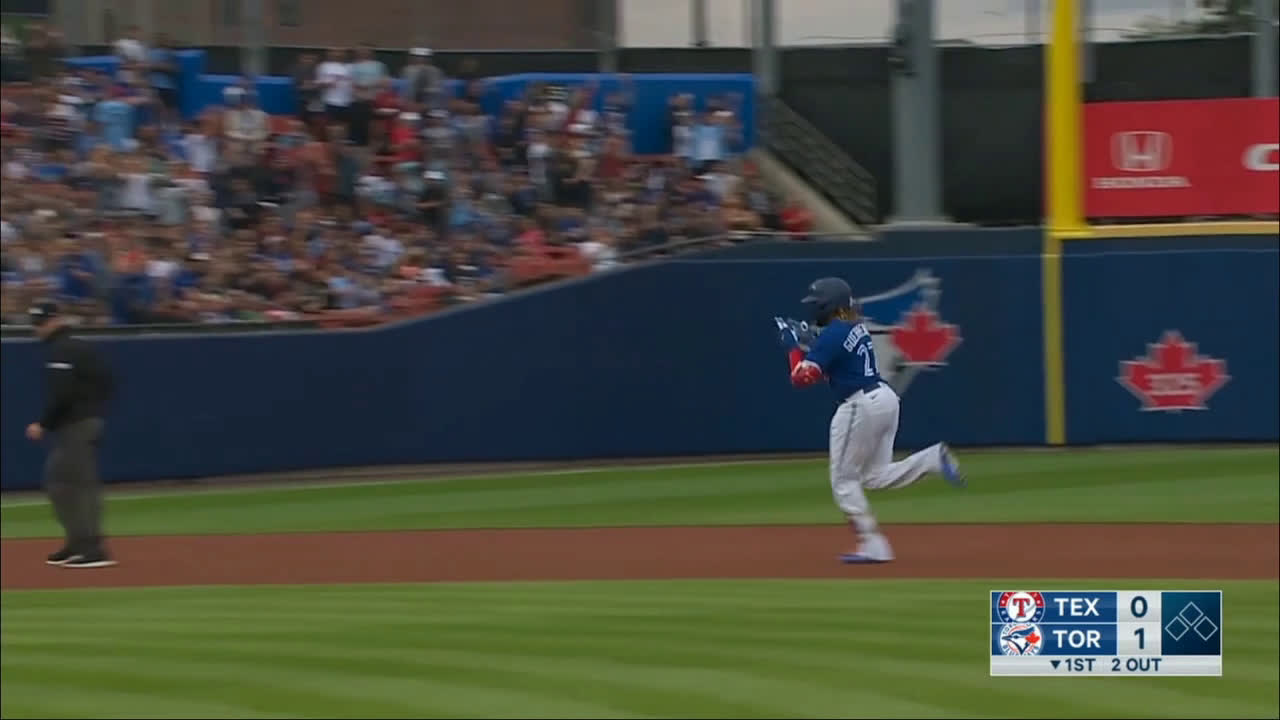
(78, 386)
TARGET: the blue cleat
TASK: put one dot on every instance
(951, 468)
(855, 558)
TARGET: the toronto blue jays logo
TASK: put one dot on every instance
(908, 331)
(1021, 639)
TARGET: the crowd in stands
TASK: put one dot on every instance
(380, 196)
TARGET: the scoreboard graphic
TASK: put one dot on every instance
(1106, 632)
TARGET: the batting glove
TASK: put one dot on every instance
(787, 336)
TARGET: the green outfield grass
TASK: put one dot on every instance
(630, 649)
(1160, 485)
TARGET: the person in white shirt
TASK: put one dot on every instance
(137, 191)
(336, 88)
(199, 149)
(556, 108)
(539, 151)
(132, 54)
(204, 213)
(721, 182)
(162, 267)
(245, 123)
(600, 250)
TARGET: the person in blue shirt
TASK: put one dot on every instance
(163, 64)
(78, 276)
(131, 299)
(865, 423)
(114, 117)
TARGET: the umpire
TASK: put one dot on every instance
(78, 386)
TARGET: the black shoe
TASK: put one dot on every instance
(97, 559)
(62, 556)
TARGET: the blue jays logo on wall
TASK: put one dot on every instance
(908, 332)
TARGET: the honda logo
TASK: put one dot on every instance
(1141, 150)
(1263, 158)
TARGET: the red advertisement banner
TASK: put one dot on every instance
(1182, 158)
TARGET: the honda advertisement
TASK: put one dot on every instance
(1177, 158)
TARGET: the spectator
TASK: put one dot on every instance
(232, 219)
(439, 136)
(433, 202)
(423, 83)
(651, 231)
(761, 201)
(601, 250)
(137, 185)
(199, 147)
(367, 75)
(334, 78)
(44, 51)
(165, 77)
(581, 118)
(539, 158)
(737, 217)
(679, 114)
(720, 181)
(132, 54)
(244, 123)
(306, 84)
(617, 109)
(386, 109)
(115, 118)
(709, 141)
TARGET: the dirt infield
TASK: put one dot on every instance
(924, 551)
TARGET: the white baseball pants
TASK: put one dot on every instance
(862, 432)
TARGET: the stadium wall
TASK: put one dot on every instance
(679, 357)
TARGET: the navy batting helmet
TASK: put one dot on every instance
(827, 296)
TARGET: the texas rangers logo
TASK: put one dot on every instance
(1020, 607)
(1173, 376)
(907, 330)
(1021, 639)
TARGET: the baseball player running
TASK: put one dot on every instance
(864, 425)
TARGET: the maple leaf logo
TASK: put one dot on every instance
(1173, 376)
(923, 338)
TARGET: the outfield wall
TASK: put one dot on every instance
(679, 358)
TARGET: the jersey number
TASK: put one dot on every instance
(865, 352)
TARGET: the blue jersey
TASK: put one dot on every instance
(847, 357)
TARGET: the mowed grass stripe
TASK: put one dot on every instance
(629, 649)
(1164, 485)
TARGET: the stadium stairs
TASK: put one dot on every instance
(802, 164)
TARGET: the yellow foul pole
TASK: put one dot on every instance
(1063, 123)
(1063, 183)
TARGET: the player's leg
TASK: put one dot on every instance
(854, 429)
(885, 474)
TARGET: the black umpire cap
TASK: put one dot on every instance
(42, 312)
